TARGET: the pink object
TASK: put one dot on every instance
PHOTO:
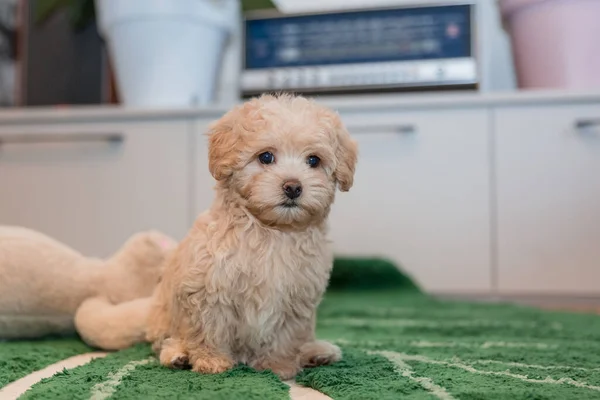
(556, 43)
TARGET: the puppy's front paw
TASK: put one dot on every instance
(318, 353)
(212, 365)
(285, 369)
(180, 361)
(173, 355)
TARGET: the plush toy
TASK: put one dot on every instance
(47, 288)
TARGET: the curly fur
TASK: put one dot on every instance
(244, 285)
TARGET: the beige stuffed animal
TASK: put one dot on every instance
(48, 288)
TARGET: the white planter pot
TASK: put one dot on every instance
(165, 53)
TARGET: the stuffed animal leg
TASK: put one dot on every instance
(43, 282)
(110, 326)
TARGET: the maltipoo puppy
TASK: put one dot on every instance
(244, 285)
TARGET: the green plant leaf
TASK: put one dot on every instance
(251, 5)
(81, 13)
(44, 9)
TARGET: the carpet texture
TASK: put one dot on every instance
(397, 343)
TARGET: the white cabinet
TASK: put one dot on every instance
(470, 195)
(92, 185)
(548, 197)
(421, 196)
(202, 182)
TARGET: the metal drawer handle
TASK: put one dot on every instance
(365, 129)
(37, 138)
(587, 124)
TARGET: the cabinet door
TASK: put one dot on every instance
(548, 176)
(93, 185)
(421, 197)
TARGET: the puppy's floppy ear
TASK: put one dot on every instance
(222, 140)
(346, 154)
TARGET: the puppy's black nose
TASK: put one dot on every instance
(292, 189)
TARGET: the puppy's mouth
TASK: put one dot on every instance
(289, 204)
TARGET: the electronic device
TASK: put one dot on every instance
(423, 46)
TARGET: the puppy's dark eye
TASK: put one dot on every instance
(266, 158)
(313, 161)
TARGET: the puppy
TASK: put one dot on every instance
(244, 285)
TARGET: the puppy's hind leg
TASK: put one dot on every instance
(282, 366)
(158, 321)
(319, 352)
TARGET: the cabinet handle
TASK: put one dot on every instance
(397, 129)
(587, 124)
(41, 138)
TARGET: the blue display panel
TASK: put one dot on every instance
(404, 34)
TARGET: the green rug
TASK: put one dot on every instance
(18, 359)
(397, 343)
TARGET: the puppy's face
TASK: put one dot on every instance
(283, 158)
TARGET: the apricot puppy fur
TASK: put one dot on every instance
(244, 285)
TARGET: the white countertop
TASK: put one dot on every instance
(364, 103)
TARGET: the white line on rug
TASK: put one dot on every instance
(15, 389)
(104, 390)
(406, 371)
(427, 344)
(433, 324)
(534, 366)
(486, 345)
(471, 369)
(298, 392)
